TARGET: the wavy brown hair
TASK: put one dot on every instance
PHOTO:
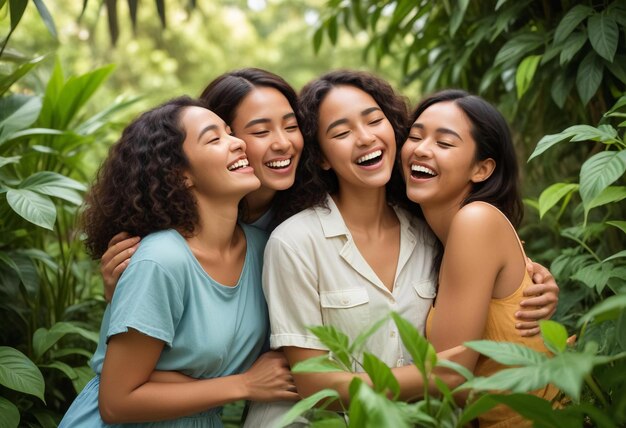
(312, 182)
(140, 186)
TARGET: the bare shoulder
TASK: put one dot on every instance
(479, 221)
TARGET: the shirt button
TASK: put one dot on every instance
(393, 334)
(345, 301)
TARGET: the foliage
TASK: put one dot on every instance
(377, 405)
(48, 297)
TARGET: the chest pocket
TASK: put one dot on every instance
(425, 289)
(347, 310)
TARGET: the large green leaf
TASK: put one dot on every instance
(458, 13)
(619, 224)
(17, 8)
(337, 342)
(573, 44)
(382, 378)
(595, 275)
(83, 375)
(554, 336)
(553, 194)
(377, 410)
(608, 309)
(6, 81)
(518, 47)
(507, 353)
(609, 195)
(54, 184)
(599, 171)
(550, 140)
(528, 405)
(570, 21)
(525, 73)
(422, 352)
(9, 414)
(320, 364)
(603, 133)
(46, 17)
(306, 404)
(19, 373)
(44, 339)
(16, 113)
(33, 207)
(589, 76)
(603, 35)
(10, 160)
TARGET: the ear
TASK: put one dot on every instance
(187, 180)
(325, 164)
(483, 170)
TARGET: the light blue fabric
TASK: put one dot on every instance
(210, 330)
(263, 222)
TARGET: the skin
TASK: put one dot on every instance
(482, 256)
(127, 391)
(266, 122)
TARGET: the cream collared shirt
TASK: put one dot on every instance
(315, 275)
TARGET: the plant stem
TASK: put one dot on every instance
(596, 390)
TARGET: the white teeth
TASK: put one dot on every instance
(425, 170)
(279, 164)
(369, 156)
(239, 164)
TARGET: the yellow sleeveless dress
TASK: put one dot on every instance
(500, 327)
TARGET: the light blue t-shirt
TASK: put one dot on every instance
(210, 330)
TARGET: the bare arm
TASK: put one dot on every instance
(115, 260)
(127, 394)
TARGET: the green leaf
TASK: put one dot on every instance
(33, 207)
(458, 13)
(620, 103)
(517, 47)
(83, 375)
(332, 29)
(306, 404)
(46, 17)
(16, 113)
(44, 339)
(603, 133)
(422, 352)
(574, 43)
(19, 373)
(548, 141)
(9, 160)
(553, 194)
(336, 342)
(608, 309)
(23, 69)
(561, 89)
(320, 364)
(570, 21)
(54, 184)
(525, 73)
(507, 353)
(589, 77)
(619, 224)
(598, 172)
(62, 367)
(361, 339)
(17, 8)
(609, 195)
(595, 275)
(603, 35)
(618, 67)
(382, 378)
(554, 336)
(317, 39)
(460, 369)
(377, 410)
(528, 405)
(9, 414)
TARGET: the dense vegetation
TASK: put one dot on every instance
(557, 69)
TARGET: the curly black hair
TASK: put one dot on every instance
(140, 186)
(312, 182)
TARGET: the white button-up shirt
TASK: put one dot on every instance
(315, 275)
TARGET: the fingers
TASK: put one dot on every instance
(118, 238)
(534, 314)
(542, 288)
(539, 301)
(530, 332)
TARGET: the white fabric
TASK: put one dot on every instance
(313, 274)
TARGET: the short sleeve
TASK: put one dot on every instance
(147, 299)
(292, 295)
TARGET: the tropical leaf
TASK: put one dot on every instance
(17, 112)
(337, 342)
(320, 364)
(382, 378)
(54, 184)
(553, 194)
(44, 339)
(19, 373)
(306, 404)
(608, 309)
(554, 336)
(603, 35)
(33, 207)
(9, 414)
(599, 171)
(571, 21)
(507, 353)
(525, 73)
(589, 77)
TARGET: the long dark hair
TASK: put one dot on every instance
(312, 182)
(493, 140)
(226, 92)
(140, 186)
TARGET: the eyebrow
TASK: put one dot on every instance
(207, 129)
(439, 130)
(266, 120)
(342, 121)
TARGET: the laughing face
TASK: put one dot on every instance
(356, 139)
(218, 166)
(267, 123)
(438, 158)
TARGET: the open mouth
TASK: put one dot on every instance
(241, 163)
(278, 164)
(370, 158)
(421, 171)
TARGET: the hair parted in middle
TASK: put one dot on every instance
(140, 188)
(313, 182)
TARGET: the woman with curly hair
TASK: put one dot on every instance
(352, 253)
(190, 299)
(261, 108)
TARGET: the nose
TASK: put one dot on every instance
(281, 142)
(237, 144)
(422, 148)
(364, 136)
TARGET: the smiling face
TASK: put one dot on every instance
(356, 139)
(267, 123)
(218, 166)
(439, 157)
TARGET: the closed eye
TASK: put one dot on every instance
(415, 138)
(444, 145)
(260, 133)
(342, 134)
(376, 121)
(291, 128)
